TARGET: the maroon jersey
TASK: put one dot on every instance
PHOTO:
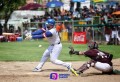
(98, 55)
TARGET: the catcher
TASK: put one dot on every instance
(100, 60)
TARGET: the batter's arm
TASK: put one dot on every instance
(44, 35)
(38, 32)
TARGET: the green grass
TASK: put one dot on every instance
(29, 51)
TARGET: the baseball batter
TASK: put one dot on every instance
(55, 47)
(100, 60)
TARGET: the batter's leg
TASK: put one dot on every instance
(54, 58)
(55, 54)
(44, 58)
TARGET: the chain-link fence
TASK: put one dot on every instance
(94, 31)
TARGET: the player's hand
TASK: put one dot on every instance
(71, 50)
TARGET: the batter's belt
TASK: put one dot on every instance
(55, 44)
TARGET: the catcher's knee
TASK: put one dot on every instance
(90, 64)
(86, 66)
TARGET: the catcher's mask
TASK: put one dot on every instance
(93, 45)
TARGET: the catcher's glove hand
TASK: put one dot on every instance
(71, 50)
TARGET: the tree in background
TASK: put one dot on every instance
(7, 7)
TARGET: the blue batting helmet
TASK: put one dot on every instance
(50, 22)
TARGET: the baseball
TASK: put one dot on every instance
(40, 46)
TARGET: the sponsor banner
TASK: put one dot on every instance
(79, 37)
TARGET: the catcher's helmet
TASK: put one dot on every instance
(50, 22)
(93, 45)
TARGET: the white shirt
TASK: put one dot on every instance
(55, 39)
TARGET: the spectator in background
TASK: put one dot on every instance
(2, 38)
(99, 34)
(105, 18)
(119, 29)
(40, 25)
(75, 14)
(69, 28)
(107, 32)
(89, 34)
(46, 13)
(1, 29)
(60, 27)
(115, 37)
(11, 28)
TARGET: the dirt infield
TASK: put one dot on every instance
(22, 72)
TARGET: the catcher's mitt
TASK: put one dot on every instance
(71, 52)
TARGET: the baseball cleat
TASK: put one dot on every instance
(37, 70)
(73, 71)
(79, 73)
(70, 66)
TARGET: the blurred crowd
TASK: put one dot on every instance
(104, 12)
(79, 13)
